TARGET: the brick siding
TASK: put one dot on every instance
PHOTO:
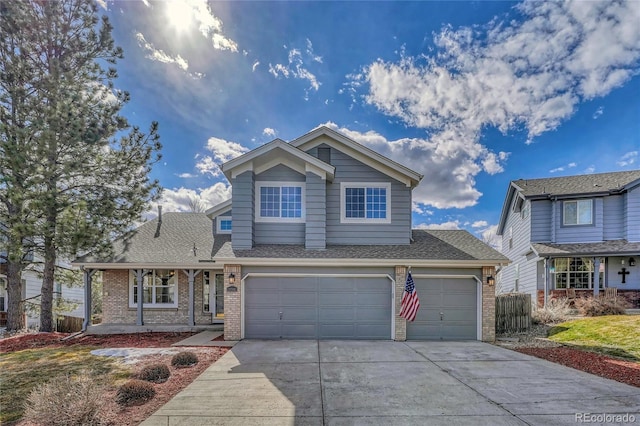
(488, 305)
(232, 304)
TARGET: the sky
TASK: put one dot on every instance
(470, 94)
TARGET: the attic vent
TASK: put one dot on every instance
(324, 154)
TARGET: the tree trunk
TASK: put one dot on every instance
(15, 311)
(46, 292)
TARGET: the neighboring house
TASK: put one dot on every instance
(315, 243)
(558, 231)
(31, 285)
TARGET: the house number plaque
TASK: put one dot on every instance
(232, 288)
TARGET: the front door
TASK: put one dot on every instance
(213, 297)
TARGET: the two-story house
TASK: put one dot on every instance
(558, 232)
(315, 243)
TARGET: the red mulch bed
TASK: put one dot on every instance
(601, 365)
(138, 340)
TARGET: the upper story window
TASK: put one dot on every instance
(159, 289)
(279, 201)
(365, 202)
(579, 212)
(224, 224)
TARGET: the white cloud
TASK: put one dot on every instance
(509, 74)
(159, 55)
(255, 65)
(222, 151)
(598, 113)
(590, 169)
(268, 131)
(146, 3)
(452, 224)
(178, 199)
(628, 159)
(296, 68)
(479, 224)
(489, 236)
(186, 175)
(102, 4)
(450, 181)
(209, 25)
(563, 168)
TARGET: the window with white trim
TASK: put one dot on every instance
(280, 202)
(159, 289)
(365, 202)
(575, 272)
(224, 224)
(579, 212)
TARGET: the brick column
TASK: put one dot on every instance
(401, 323)
(488, 305)
(232, 303)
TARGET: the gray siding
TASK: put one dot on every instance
(613, 221)
(242, 191)
(580, 233)
(273, 232)
(632, 219)
(280, 173)
(316, 205)
(517, 253)
(541, 221)
(396, 232)
(614, 279)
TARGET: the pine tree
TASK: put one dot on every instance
(92, 167)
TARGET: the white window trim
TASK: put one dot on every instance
(219, 230)
(153, 305)
(343, 210)
(258, 203)
(564, 216)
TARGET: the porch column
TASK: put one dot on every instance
(88, 279)
(547, 280)
(191, 274)
(140, 273)
(596, 277)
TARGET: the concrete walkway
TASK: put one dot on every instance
(390, 383)
(205, 338)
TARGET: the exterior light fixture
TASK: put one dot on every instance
(232, 278)
(632, 261)
(491, 281)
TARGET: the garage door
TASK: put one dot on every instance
(317, 308)
(448, 310)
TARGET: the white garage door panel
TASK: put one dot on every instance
(317, 307)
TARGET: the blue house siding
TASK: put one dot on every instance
(518, 228)
(541, 221)
(613, 222)
(242, 191)
(280, 173)
(580, 233)
(632, 219)
(396, 232)
(316, 203)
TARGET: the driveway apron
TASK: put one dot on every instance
(304, 382)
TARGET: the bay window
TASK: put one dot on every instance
(575, 272)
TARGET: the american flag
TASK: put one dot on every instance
(410, 302)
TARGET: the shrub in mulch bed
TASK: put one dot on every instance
(155, 373)
(595, 307)
(184, 359)
(601, 365)
(135, 392)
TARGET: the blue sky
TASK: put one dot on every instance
(470, 94)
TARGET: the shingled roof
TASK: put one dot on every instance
(581, 184)
(171, 242)
(605, 248)
(445, 245)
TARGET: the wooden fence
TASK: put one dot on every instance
(513, 313)
(69, 324)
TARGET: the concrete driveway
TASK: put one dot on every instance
(391, 383)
